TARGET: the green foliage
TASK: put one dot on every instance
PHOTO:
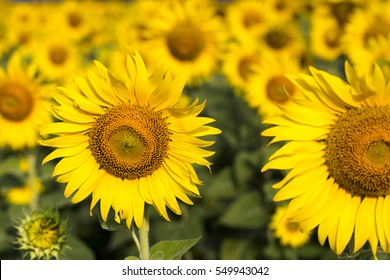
(171, 250)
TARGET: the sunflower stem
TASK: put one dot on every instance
(31, 178)
(144, 237)
(135, 238)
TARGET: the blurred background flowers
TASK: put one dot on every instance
(234, 54)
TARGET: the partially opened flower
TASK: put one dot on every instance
(338, 157)
(42, 235)
(127, 143)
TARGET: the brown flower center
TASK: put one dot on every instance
(277, 39)
(186, 42)
(16, 102)
(358, 151)
(58, 55)
(251, 18)
(245, 67)
(279, 88)
(129, 142)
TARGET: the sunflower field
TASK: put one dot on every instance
(195, 129)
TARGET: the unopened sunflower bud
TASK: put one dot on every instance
(41, 235)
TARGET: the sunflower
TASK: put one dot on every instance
(288, 232)
(23, 195)
(268, 86)
(338, 157)
(24, 103)
(364, 30)
(188, 37)
(247, 19)
(57, 57)
(325, 37)
(126, 143)
(238, 64)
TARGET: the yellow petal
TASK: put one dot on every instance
(68, 164)
(346, 224)
(66, 152)
(365, 222)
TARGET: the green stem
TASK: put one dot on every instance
(31, 178)
(144, 237)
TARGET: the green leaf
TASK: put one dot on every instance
(110, 224)
(245, 212)
(238, 249)
(54, 199)
(131, 258)
(78, 250)
(171, 250)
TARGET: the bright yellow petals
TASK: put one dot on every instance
(287, 231)
(126, 143)
(338, 158)
(24, 103)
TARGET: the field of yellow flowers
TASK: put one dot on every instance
(204, 129)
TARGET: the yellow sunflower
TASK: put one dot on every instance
(24, 103)
(365, 29)
(287, 231)
(268, 87)
(246, 19)
(238, 63)
(338, 157)
(23, 195)
(57, 57)
(187, 37)
(325, 37)
(126, 143)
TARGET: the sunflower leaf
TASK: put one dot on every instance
(110, 224)
(171, 250)
(131, 258)
(245, 212)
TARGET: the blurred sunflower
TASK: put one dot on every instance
(188, 39)
(338, 154)
(325, 37)
(268, 87)
(57, 57)
(24, 103)
(23, 195)
(364, 30)
(282, 37)
(288, 232)
(246, 19)
(127, 143)
(238, 63)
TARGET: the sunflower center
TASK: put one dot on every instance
(186, 42)
(277, 88)
(342, 11)
(332, 38)
(251, 19)
(292, 227)
(129, 142)
(16, 102)
(74, 20)
(58, 55)
(245, 67)
(277, 39)
(358, 151)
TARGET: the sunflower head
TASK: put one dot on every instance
(42, 235)
(287, 231)
(127, 142)
(338, 157)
